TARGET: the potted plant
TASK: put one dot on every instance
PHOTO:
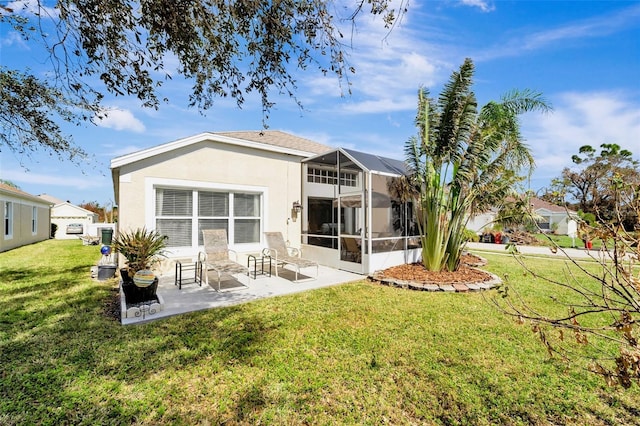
(142, 249)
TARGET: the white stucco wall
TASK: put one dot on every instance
(213, 165)
(479, 222)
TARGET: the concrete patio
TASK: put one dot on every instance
(235, 290)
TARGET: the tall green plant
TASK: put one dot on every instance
(141, 247)
(464, 160)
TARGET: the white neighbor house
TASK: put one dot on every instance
(25, 218)
(554, 218)
(73, 221)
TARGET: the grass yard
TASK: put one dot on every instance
(359, 353)
(564, 241)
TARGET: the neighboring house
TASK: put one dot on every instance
(553, 218)
(482, 222)
(334, 204)
(26, 218)
(73, 221)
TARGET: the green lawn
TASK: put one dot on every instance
(564, 241)
(359, 353)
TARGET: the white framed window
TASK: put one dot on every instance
(246, 218)
(34, 220)
(330, 177)
(213, 212)
(8, 220)
(182, 215)
(349, 179)
(174, 215)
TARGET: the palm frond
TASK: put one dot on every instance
(526, 100)
(464, 160)
(453, 103)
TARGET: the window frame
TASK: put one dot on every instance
(328, 176)
(8, 219)
(152, 184)
(34, 220)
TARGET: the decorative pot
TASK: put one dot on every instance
(144, 278)
(125, 277)
(138, 290)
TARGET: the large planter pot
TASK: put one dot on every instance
(135, 294)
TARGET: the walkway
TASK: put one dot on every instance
(575, 253)
(193, 297)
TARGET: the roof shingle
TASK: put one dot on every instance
(278, 138)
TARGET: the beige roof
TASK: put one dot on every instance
(8, 189)
(51, 198)
(538, 204)
(280, 139)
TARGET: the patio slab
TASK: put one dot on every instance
(193, 297)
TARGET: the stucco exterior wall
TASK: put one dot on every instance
(213, 165)
(558, 222)
(21, 232)
(481, 222)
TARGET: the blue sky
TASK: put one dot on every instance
(584, 56)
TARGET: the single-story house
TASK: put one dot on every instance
(26, 218)
(338, 206)
(72, 221)
(554, 218)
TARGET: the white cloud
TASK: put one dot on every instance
(31, 7)
(14, 38)
(382, 105)
(119, 119)
(581, 119)
(584, 29)
(390, 67)
(480, 4)
(21, 176)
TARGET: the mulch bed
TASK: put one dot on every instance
(417, 272)
(112, 304)
(414, 276)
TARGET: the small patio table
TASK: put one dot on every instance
(188, 266)
(254, 260)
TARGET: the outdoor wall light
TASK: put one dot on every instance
(296, 208)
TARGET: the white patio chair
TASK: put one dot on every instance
(216, 256)
(286, 256)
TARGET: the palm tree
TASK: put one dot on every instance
(464, 160)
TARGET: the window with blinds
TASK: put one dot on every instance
(246, 209)
(178, 210)
(174, 215)
(213, 212)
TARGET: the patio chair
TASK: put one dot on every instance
(351, 250)
(286, 256)
(216, 256)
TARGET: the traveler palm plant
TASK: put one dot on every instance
(464, 160)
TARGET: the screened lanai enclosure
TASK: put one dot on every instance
(355, 215)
